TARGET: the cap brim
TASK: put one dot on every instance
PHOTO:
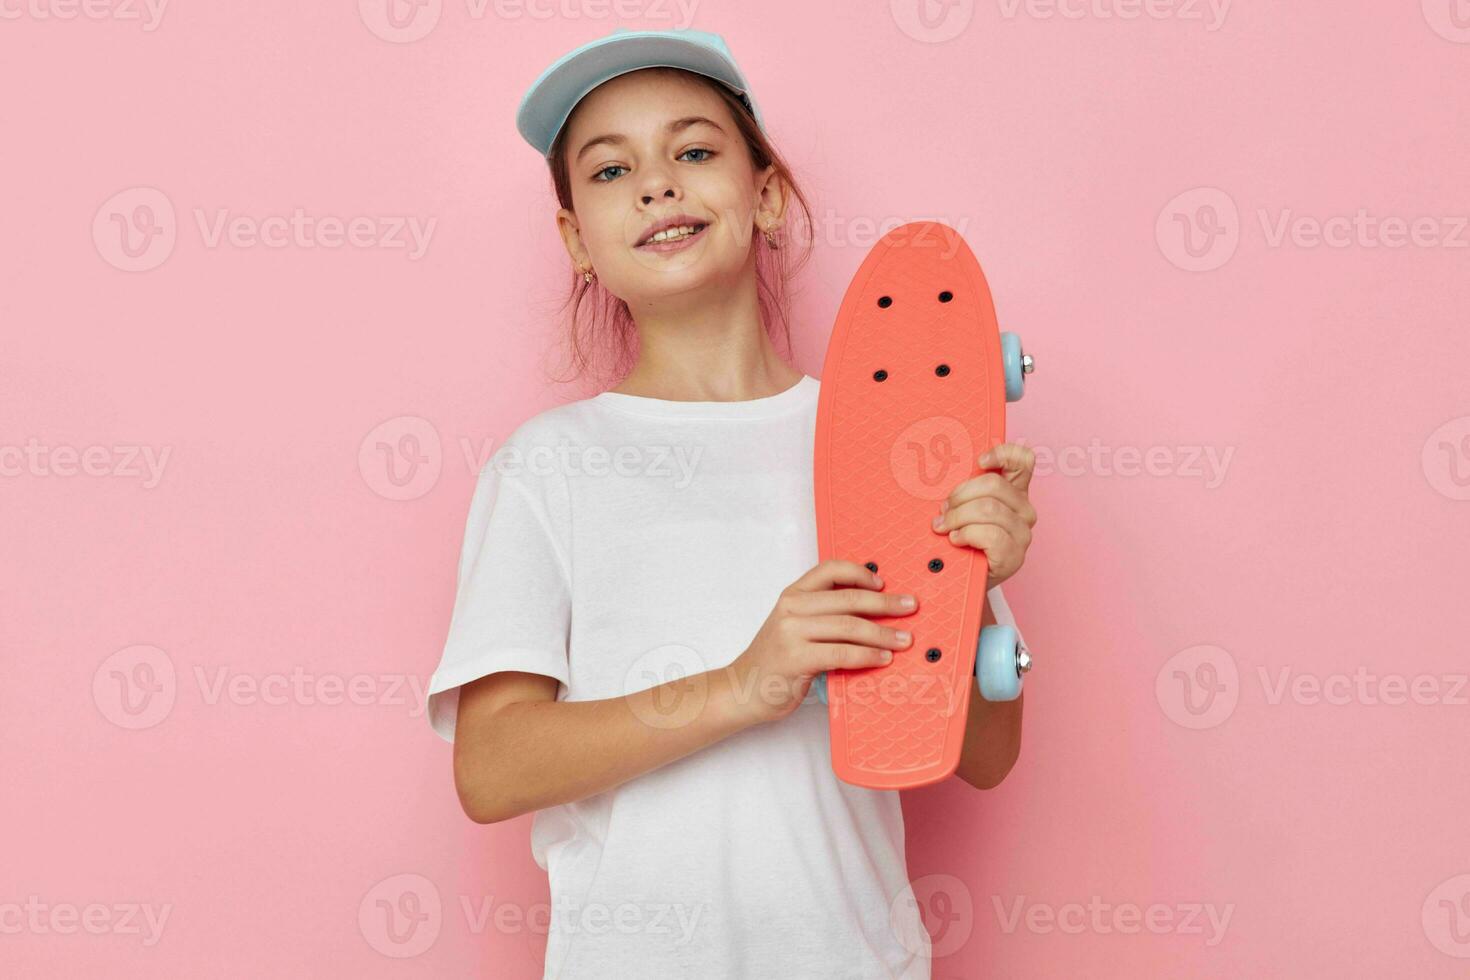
(549, 102)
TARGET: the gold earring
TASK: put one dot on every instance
(587, 276)
(771, 238)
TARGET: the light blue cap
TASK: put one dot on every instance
(549, 102)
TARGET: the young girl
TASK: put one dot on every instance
(640, 613)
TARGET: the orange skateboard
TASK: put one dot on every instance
(913, 391)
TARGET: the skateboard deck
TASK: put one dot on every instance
(912, 393)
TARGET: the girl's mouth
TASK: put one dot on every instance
(675, 241)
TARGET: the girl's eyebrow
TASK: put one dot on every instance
(613, 139)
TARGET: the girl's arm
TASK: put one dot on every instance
(518, 749)
(992, 733)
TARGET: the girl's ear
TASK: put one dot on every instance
(771, 197)
(571, 237)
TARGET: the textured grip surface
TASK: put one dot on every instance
(886, 453)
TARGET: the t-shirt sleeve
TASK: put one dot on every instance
(1003, 616)
(512, 604)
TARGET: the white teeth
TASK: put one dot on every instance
(672, 234)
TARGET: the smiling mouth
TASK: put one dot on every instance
(671, 236)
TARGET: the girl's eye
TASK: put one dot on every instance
(695, 149)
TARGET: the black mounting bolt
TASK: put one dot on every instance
(871, 566)
(942, 370)
(935, 564)
(946, 296)
(880, 375)
(884, 302)
(932, 655)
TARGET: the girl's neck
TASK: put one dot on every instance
(710, 348)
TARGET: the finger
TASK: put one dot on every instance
(986, 510)
(835, 571)
(996, 486)
(851, 629)
(847, 656)
(1003, 553)
(861, 601)
(1017, 463)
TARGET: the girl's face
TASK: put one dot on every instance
(648, 147)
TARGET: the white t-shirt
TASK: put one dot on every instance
(621, 541)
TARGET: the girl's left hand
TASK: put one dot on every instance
(993, 512)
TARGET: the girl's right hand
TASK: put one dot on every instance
(813, 628)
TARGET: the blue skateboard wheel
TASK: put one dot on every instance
(1010, 355)
(997, 666)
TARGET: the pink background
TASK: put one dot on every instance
(275, 823)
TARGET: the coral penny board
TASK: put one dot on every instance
(912, 393)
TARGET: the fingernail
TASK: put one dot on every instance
(879, 579)
(907, 602)
(938, 522)
(904, 636)
(887, 656)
